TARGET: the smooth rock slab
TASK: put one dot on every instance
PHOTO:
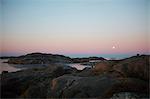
(94, 87)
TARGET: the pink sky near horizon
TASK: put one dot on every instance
(74, 27)
(76, 46)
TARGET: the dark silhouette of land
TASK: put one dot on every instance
(107, 79)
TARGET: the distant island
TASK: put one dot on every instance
(128, 77)
(43, 58)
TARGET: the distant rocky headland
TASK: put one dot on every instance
(107, 79)
(39, 58)
(42, 58)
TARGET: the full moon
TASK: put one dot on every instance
(113, 47)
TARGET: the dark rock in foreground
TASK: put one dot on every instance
(95, 87)
(108, 79)
(31, 83)
(136, 67)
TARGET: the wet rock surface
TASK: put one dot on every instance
(108, 79)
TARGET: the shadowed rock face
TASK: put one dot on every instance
(104, 67)
(108, 79)
(137, 67)
(94, 87)
(31, 83)
(77, 87)
(40, 58)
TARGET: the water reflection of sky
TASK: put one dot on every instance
(78, 66)
(7, 67)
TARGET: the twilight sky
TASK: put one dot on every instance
(109, 28)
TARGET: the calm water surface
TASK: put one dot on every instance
(78, 66)
(7, 67)
(14, 67)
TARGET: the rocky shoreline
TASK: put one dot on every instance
(108, 79)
